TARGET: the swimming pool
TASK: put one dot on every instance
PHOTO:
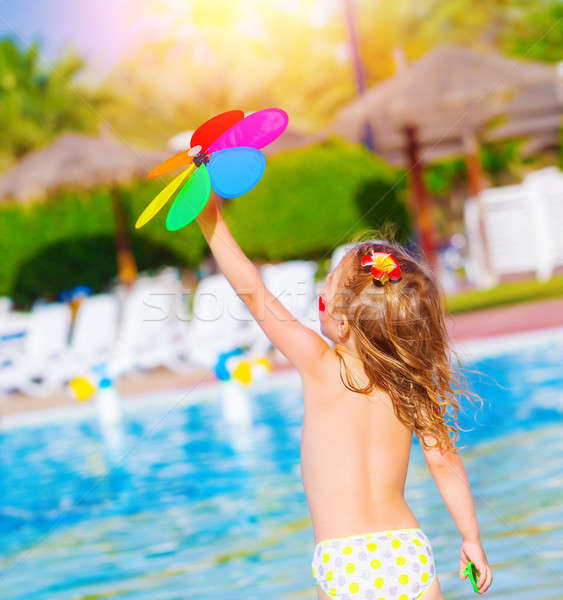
(199, 495)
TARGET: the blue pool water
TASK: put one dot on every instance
(199, 495)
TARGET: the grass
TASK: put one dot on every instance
(515, 292)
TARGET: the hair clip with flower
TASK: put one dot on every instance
(384, 266)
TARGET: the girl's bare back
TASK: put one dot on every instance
(354, 457)
(354, 461)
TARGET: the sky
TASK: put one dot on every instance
(103, 31)
(99, 30)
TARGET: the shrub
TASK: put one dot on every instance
(69, 239)
(314, 199)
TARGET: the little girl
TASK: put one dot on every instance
(386, 376)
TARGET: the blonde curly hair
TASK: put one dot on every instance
(401, 338)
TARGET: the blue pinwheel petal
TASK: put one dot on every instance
(235, 171)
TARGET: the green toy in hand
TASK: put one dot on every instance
(471, 572)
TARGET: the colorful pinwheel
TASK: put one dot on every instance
(384, 266)
(224, 155)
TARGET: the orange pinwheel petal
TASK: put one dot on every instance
(182, 159)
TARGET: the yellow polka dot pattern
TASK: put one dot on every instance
(344, 574)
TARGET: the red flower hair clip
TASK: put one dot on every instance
(384, 266)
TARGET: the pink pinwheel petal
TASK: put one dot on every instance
(256, 131)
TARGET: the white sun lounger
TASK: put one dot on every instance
(41, 366)
(149, 331)
(5, 306)
(94, 334)
(14, 329)
(219, 322)
(293, 284)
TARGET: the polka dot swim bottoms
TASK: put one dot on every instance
(384, 565)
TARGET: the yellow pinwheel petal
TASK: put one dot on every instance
(159, 201)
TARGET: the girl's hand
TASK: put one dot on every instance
(212, 210)
(473, 551)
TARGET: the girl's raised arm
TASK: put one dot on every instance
(301, 345)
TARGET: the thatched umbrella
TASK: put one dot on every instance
(439, 104)
(81, 161)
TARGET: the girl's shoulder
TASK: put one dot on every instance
(333, 371)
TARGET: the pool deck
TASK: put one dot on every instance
(506, 320)
(494, 322)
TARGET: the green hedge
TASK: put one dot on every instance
(54, 245)
(504, 294)
(308, 202)
(314, 199)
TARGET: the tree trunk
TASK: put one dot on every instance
(423, 212)
(126, 265)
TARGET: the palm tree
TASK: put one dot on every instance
(40, 102)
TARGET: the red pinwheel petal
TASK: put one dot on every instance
(367, 260)
(396, 273)
(207, 133)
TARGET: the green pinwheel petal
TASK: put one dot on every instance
(190, 201)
